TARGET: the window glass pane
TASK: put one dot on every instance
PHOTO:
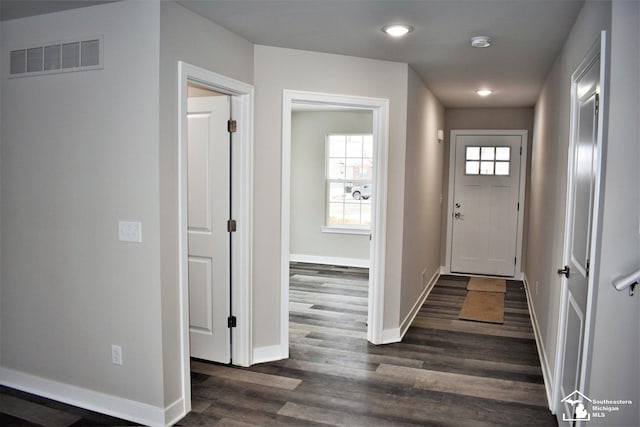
(488, 153)
(335, 215)
(336, 169)
(366, 212)
(336, 145)
(367, 147)
(354, 169)
(486, 168)
(503, 153)
(349, 169)
(502, 168)
(367, 169)
(354, 146)
(336, 191)
(352, 213)
(473, 153)
(472, 168)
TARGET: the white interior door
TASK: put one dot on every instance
(579, 227)
(485, 199)
(208, 184)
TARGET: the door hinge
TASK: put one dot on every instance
(232, 126)
(515, 261)
(588, 267)
(231, 226)
(231, 322)
(521, 150)
(518, 208)
(597, 109)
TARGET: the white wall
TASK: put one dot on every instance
(80, 152)
(549, 177)
(184, 36)
(276, 69)
(423, 184)
(309, 130)
(615, 356)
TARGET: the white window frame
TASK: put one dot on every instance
(342, 228)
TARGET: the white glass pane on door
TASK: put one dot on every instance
(473, 153)
(488, 153)
(486, 168)
(503, 153)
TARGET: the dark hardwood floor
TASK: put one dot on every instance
(445, 372)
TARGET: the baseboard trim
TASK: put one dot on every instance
(408, 320)
(268, 353)
(175, 412)
(391, 335)
(114, 406)
(542, 354)
(318, 259)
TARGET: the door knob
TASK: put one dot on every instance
(564, 271)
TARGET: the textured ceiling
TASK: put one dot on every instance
(527, 35)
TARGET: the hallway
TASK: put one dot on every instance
(445, 371)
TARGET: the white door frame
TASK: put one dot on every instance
(242, 188)
(521, 193)
(597, 50)
(380, 109)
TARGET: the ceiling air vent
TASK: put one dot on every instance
(64, 57)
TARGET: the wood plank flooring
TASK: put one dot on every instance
(445, 372)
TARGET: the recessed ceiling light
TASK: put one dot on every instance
(397, 30)
(484, 92)
(481, 41)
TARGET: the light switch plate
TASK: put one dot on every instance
(130, 231)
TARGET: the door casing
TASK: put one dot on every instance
(241, 207)
(597, 50)
(521, 194)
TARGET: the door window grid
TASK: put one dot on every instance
(349, 173)
(487, 160)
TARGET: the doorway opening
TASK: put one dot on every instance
(331, 198)
(342, 210)
(235, 203)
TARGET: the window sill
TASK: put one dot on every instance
(346, 230)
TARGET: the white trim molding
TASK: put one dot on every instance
(547, 373)
(114, 406)
(380, 109)
(411, 315)
(241, 208)
(597, 52)
(268, 353)
(327, 260)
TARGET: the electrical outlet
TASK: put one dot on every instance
(116, 355)
(130, 231)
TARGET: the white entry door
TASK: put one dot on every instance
(580, 205)
(485, 202)
(208, 185)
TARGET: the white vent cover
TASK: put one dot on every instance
(56, 58)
